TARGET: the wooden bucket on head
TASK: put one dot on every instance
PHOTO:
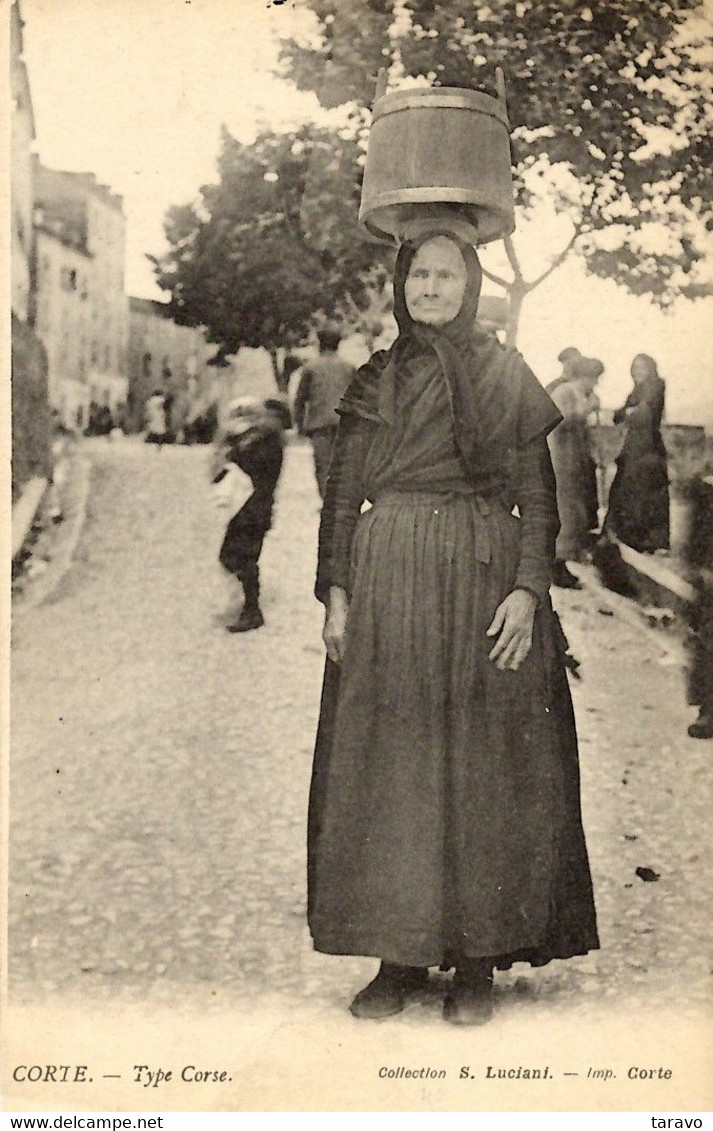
(440, 145)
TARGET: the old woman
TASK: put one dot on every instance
(445, 824)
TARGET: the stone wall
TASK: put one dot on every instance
(31, 426)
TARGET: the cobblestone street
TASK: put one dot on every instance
(160, 769)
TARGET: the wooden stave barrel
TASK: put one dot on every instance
(396, 184)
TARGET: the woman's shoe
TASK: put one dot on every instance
(389, 991)
(470, 998)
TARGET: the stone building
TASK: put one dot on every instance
(22, 197)
(169, 357)
(30, 414)
(63, 320)
(82, 310)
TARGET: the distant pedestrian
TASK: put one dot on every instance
(106, 420)
(118, 426)
(566, 358)
(638, 512)
(169, 408)
(251, 443)
(290, 365)
(699, 555)
(575, 469)
(92, 428)
(156, 419)
(322, 386)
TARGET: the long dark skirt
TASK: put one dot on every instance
(638, 511)
(444, 808)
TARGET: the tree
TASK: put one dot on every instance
(273, 246)
(611, 123)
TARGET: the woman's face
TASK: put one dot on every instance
(639, 369)
(436, 282)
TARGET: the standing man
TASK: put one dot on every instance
(575, 470)
(567, 359)
(322, 386)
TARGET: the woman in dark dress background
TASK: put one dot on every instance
(638, 512)
(445, 823)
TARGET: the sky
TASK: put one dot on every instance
(136, 92)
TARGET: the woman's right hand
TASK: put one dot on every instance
(335, 624)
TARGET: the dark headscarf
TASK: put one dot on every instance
(651, 392)
(653, 369)
(497, 402)
(450, 342)
(463, 322)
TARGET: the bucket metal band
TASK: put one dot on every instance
(440, 97)
(428, 194)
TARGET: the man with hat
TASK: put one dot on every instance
(567, 357)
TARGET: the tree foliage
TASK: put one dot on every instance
(273, 246)
(609, 104)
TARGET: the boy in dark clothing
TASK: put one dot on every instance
(253, 441)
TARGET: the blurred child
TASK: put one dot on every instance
(251, 440)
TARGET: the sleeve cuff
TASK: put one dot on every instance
(334, 576)
(539, 589)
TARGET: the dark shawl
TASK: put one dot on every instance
(498, 405)
(647, 399)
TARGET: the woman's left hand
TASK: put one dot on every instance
(514, 618)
